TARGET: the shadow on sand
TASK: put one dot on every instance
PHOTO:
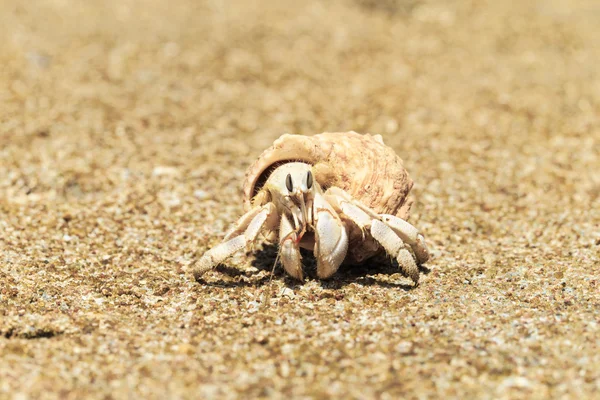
(376, 271)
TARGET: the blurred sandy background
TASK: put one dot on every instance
(125, 131)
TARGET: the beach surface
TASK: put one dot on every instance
(126, 128)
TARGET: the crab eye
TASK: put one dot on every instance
(309, 180)
(288, 183)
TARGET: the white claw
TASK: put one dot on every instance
(289, 250)
(331, 240)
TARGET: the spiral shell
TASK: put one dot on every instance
(362, 165)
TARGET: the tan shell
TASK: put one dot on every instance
(362, 165)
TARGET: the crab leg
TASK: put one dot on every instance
(251, 224)
(242, 223)
(394, 246)
(331, 238)
(409, 234)
(392, 233)
(288, 248)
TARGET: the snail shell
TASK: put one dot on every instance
(362, 165)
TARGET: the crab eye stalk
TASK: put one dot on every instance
(288, 183)
(309, 180)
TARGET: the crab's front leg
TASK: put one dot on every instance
(244, 232)
(331, 238)
(289, 251)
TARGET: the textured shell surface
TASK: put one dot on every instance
(361, 164)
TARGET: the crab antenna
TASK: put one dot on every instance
(303, 209)
(304, 217)
(267, 300)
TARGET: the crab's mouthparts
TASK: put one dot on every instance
(308, 241)
(303, 222)
(301, 232)
(299, 236)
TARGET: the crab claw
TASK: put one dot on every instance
(331, 238)
(288, 249)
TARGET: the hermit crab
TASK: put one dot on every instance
(345, 196)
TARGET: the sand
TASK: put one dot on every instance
(125, 131)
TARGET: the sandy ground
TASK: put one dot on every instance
(125, 131)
